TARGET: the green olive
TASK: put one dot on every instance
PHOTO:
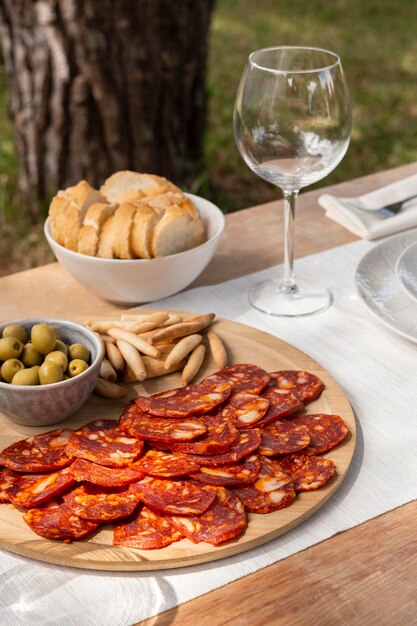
(75, 367)
(43, 338)
(78, 351)
(61, 346)
(50, 372)
(9, 369)
(10, 348)
(28, 376)
(14, 330)
(30, 356)
(58, 357)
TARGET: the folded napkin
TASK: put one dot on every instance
(367, 222)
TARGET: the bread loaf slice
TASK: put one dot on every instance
(57, 217)
(94, 219)
(128, 186)
(105, 241)
(83, 194)
(144, 222)
(122, 226)
(176, 231)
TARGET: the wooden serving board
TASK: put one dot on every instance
(245, 345)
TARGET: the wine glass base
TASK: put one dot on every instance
(272, 298)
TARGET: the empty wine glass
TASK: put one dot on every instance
(292, 124)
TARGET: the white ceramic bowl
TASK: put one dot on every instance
(143, 280)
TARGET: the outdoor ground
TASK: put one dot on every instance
(376, 40)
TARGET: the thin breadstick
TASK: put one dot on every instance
(156, 367)
(174, 318)
(184, 328)
(102, 326)
(107, 371)
(138, 342)
(114, 356)
(142, 327)
(129, 375)
(194, 363)
(159, 317)
(217, 349)
(107, 389)
(133, 358)
(107, 338)
(182, 349)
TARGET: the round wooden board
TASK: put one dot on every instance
(245, 345)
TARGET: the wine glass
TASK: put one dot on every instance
(292, 124)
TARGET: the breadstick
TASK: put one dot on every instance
(156, 367)
(142, 327)
(108, 389)
(107, 371)
(184, 328)
(107, 338)
(133, 359)
(182, 349)
(217, 349)
(129, 375)
(138, 342)
(193, 364)
(114, 356)
(159, 317)
(104, 325)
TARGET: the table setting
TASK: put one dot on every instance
(337, 302)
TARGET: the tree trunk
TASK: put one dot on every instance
(98, 86)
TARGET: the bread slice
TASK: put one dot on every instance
(105, 241)
(83, 194)
(94, 219)
(57, 213)
(128, 186)
(176, 231)
(122, 226)
(143, 225)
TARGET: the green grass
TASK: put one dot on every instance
(376, 40)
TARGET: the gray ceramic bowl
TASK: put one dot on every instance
(42, 405)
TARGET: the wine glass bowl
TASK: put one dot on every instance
(292, 125)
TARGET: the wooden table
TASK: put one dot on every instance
(363, 576)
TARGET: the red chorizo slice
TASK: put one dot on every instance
(308, 472)
(326, 431)
(283, 437)
(101, 504)
(103, 442)
(148, 427)
(244, 409)
(221, 435)
(194, 399)
(7, 479)
(303, 385)
(178, 497)
(249, 441)
(165, 464)
(148, 530)
(40, 453)
(281, 404)
(224, 520)
(31, 490)
(242, 474)
(272, 491)
(87, 471)
(242, 377)
(57, 521)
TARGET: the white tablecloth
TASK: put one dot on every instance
(366, 359)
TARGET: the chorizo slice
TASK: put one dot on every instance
(7, 479)
(151, 428)
(326, 431)
(83, 470)
(147, 530)
(248, 442)
(242, 377)
(194, 399)
(308, 472)
(242, 474)
(103, 442)
(304, 385)
(164, 464)
(57, 521)
(101, 504)
(283, 437)
(31, 490)
(179, 497)
(273, 490)
(225, 519)
(40, 453)
(244, 409)
(281, 404)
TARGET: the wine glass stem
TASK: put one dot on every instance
(288, 284)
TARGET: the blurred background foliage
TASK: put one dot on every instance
(377, 42)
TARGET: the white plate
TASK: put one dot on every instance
(407, 270)
(378, 284)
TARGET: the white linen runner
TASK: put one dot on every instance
(368, 362)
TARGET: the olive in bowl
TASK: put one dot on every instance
(37, 389)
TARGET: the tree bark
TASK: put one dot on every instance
(98, 86)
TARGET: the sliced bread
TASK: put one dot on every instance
(144, 222)
(105, 241)
(57, 218)
(128, 186)
(176, 231)
(122, 226)
(94, 219)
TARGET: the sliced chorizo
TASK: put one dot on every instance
(40, 453)
(308, 472)
(326, 431)
(57, 521)
(146, 530)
